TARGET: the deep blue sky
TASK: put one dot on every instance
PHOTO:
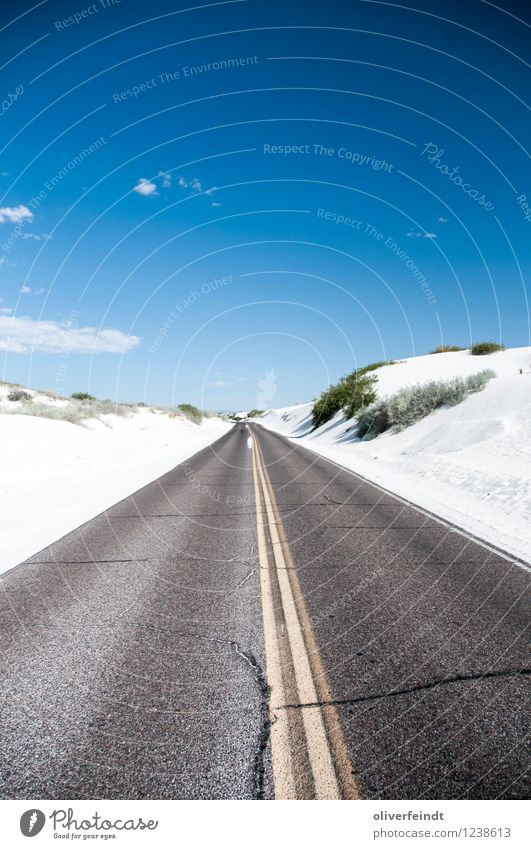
(95, 262)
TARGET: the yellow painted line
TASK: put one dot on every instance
(342, 761)
(321, 725)
(280, 747)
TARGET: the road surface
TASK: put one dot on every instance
(259, 622)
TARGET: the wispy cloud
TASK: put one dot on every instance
(195, 185)
(164, 180)
(442, 220)
(22, 335)
(27, 290)
(36, 237)
(145, 188)
(416, 235)
(15, 214)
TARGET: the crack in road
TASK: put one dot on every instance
(250, 575)
(479, 676)
(389, 526)
(265, 721)
(114, 516)
(264, 689)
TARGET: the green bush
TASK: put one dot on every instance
(445, 349)
(252, 414)
(362, 392)
(412, 403)
(374, 366)
(482, 348)
(191, 412)
(82, 396)
(352, 392)
(329, 403)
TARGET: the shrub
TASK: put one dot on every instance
(413, 403)
(445, 349)
(476, 382)
(330, 402)
(103, 408)
(352, 392)
(373, 420)
(252, 414)
(482, 348)
(362, 392)
(82, 396)
(76, 412)
(191, 412)
(72, 413)
(19, 395)
(374, 366)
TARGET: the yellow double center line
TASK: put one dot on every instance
(309, 753)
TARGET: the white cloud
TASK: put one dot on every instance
(215, 203)
(36, 237)
(145, 188)
(195, 185)
(416, 235)
(220, 383)
(149, 188)
(27, 290)
(15, 214)
(5, 310)
(442, 220)
(22, 335)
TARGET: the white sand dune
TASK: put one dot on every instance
(469, 464)
(56, 475)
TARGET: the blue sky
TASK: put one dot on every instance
(235, 204)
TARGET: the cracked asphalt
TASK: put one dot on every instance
(133, 648)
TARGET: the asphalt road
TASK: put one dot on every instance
(134, 649)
